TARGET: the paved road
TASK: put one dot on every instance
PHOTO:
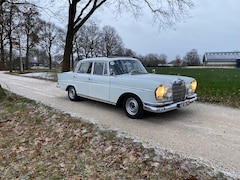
(209, 133)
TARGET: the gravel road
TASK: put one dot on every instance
(208, 133)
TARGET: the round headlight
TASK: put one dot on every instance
(194, 85)
(160, 92)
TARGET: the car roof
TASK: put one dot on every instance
(108, 59)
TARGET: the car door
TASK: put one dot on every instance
(99, 81)
(81, 78)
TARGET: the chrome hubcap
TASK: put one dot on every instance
(71, 93)
(131, 106)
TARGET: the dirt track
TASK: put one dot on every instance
(209, 133)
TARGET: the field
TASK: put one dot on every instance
(215, 85)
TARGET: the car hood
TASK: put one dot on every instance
(147, 81)
(159, 78)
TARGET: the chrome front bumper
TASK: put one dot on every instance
(169, 107)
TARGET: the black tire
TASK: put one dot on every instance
(133, 107)
(72, 95)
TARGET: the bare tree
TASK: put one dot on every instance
(10, 10)
(163, 59)
(166, 13)
(31, 28)
(152, 59)
(91, 42)
(75, 21)
(19, 38)
(125, 52)
(111, 43)
(50, 34)
(129, 52)
(1, 2)
(87, 41)
(2, 37)
(192, 58)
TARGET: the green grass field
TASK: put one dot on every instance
(215, 85)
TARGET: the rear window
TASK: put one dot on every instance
(85, 68)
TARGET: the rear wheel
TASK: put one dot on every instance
(133, 107)
(72, 95)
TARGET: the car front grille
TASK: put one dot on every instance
(178, 91)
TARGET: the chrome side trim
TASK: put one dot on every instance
(97, 100)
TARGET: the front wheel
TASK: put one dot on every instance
(72, 95)
(133, 107)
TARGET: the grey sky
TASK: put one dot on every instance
(213, 26)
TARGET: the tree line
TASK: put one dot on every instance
(24, 35)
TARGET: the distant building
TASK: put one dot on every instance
(221, 58)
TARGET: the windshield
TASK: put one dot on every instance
(119, 67)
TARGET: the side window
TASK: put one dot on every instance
(85, 68)
(98, 68)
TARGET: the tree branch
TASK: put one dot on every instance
(94, 7)
(2, 1)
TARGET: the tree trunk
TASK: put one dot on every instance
(20, 59)
(2, 58)
(27, 54)
(10, 54)
(50, 60)
(10, 40)
(75, 23)
(2, 62)
(67, 51)
(20, 53)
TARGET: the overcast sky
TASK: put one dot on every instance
(214, 25)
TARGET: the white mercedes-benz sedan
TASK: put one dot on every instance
(123, 81)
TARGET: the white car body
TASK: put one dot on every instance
(134, 88)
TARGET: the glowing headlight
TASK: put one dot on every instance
(193, 85)
(160, 92)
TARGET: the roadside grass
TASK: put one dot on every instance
(215, 85)
(38, 142)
